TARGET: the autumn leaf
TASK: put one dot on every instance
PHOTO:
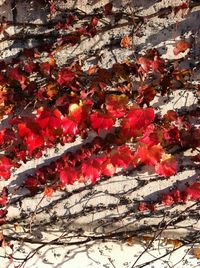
(4, 196)
(65, 76)
(69, 126)
(91, 169)
(117, 105)
(31, 183)
(193, 191)
(151, 136)
(101, 121)
(47, 118)
(146, 95)
(18, 76)
(5, 167)
(107, 168)
(150, 155)
(136, 121)
(68, 175)
(121, 156)
(108, 9)
(181, 46)
(48, 191)
(167, 167)
(34, 141)
(174, 242)
(197, 253)
(126, 41)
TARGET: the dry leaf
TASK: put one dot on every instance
(174, 242)
(130, 241)
(126, 41)
(197, 253)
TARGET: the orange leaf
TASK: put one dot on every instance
(126, 41)
(48, 191)
(197, 253)
(181, 46)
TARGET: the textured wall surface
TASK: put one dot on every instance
(110, 204)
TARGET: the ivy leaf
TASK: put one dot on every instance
(167, 167)
(146, 95)
(136, 121)
(17, 75)
(121, 157)
(4, 196)
(68, 175)
(150, 155)
(65, 76)
(34, 141)
(151, 136)
(117, 105)
(91, 169)
(5, 167)
(181, 46)
(31, 183)
(108, 9)
(48, 119)
(193, 191)
(101, 121)
(69, 126)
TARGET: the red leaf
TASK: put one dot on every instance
(4, 196)
(48, 191)
(117, 105)
(69, 126)
(5, 167)
(167, 199)
(167, 167)
(76, 112)
(31, 184)
(34, 141)
(136, 121)
(68, 175)
(108, 9)
(196, 158)
(193, 191)
(65, 76)
(91, 169)
(108, 169)
(181, 46)
(121, 157)
(171, 115)
(151, 136)
(150, 155)
(172, 134)
(94, 21)
(3, 213)
(101, 121)
(180, 7)
(48, 119)
(17, 75)
(146, 95)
